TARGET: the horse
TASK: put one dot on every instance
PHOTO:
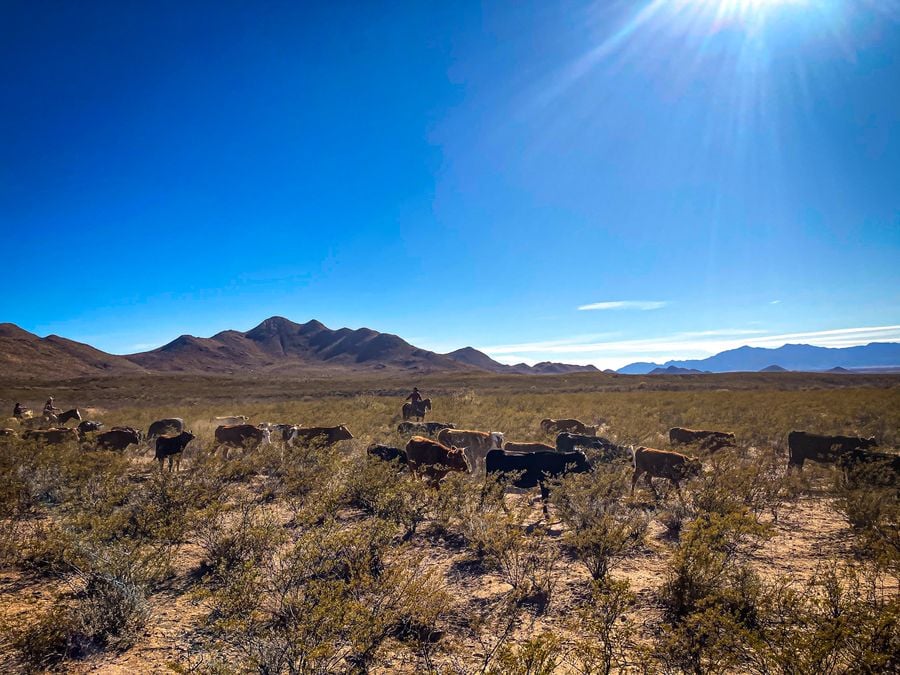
(416, 410)
(68, 415)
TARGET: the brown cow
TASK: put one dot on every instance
(320, 435)
(118, 439)
(433, 459)
(663, 464)
(573, 426)
(512, 446)
(51, 436)
(823, 449)
(241, 436)
(477, 443)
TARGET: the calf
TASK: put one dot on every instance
(878, 467)
(386, 453)
(664, 464)
(434, 460)
(823, 449)
(117, 439)
(172, 447)
(549, 426)
(531, 469)
(476, 443)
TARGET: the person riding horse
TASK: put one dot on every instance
(415, 397)
(19, 410)
(416, 406)
(49, 408)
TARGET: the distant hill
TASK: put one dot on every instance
(280, 344)
(773, 369)
(675, 370)
(790, 357)
(276, 345)
(25, 354)
(473, 357)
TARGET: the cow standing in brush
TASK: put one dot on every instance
(664, 464)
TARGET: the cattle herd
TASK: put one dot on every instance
(435, 448)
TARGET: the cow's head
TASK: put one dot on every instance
(869, 442)
(456, 459)
(576, 462)
(496, 440)
(266, 436)
(342, 433)
(187, 437)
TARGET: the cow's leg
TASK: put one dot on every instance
(161, 462)
(545, 496)
(634, 478)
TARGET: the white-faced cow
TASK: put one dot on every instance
(477, 443)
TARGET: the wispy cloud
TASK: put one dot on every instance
(624, 304)
(685, 345)
(775, 302)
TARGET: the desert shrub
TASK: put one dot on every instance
(330, 602)
(539, 655)
(109, 611)
(867, 497)
(705, 568)
(841, 621)
(601, 527)
(238, 537)
(377, 488)
(606, 636)
(735, 482)
(673, 519)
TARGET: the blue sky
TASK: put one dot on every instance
(592, 182)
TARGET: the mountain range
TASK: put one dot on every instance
(876, 355)
(275, 345)
(281, 346)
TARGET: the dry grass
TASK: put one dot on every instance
(320, 560)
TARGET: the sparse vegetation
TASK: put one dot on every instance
(315, 559)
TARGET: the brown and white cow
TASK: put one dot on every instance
(573, 426)
(477, 443)
(663, 464)
(434, 460)
(51, 436)
(824, 449)
(244, 436)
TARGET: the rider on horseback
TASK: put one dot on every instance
(49, 408)
(415, 397)
(19, 410)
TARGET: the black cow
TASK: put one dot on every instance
(170, 425)
(608, 451)
(387, 453)
(88, 427)
(427, 428)
(117, 439)
(823, 449)
(535, 468)
(172, 447)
